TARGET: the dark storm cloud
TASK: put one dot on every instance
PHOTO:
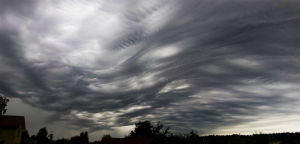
(24, 7)
(210, 64)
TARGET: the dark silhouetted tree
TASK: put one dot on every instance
(142, 128)
(50, 137)
(42, 136)
(106, 136)
(25, 137)
(83, 138)
(193, 137)
(145, 128)
(62, 141)
(3, 104)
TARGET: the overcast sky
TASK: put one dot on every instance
(215, 66)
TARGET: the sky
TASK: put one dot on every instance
(214, 66)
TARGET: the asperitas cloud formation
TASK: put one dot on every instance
(217, 66)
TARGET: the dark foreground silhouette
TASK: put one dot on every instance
(147, 133)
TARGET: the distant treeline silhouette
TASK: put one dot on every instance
(158, 134)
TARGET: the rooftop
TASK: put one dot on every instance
(9, 121)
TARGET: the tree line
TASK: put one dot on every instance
(159, 134)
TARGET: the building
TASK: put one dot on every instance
(11, 128)
(127, 140)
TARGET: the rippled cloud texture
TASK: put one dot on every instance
(210, 65)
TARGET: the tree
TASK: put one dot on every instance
(142, 128)
(25, 137)
(193, 137)
(145, 128)
(3, 104)
(83, 138)
(42, 136)
(106, 136)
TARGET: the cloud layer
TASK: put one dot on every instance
(192, 65)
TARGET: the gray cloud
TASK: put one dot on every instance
(200, 65)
